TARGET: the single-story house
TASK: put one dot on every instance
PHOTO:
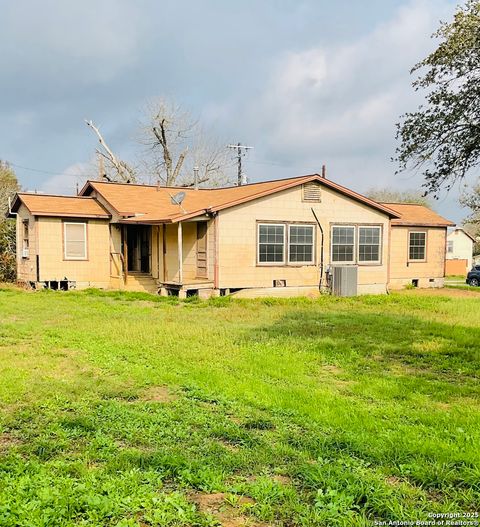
(288, 236)
(459, 252)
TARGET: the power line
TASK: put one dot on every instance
(49, 172)
(239, 148)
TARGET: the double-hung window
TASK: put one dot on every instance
(271, 243)
(417, 243)
(369, 244)
(25, 239)
(75, 240)
(300, 244)
(343, 244)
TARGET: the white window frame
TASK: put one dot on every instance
(308, 262)
(449, 247)
(370, 262)
(285, 248)
(354, 253)
(424, 259)
(78, 258)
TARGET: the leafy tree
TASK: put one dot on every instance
(8, 186)
(442, 138)
(398, 196)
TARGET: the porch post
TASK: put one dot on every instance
(180, 252)
(125, 254)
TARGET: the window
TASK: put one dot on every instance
(417, 245)
(343, 244)
(271, 243)
(300, 243)
(450, 246)
(75, 241)
(25, 239)
(369, 244)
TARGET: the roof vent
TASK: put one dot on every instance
(311, 192)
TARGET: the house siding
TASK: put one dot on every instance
(238, 240)
(429, 273)
(93, 272)
(462, 248)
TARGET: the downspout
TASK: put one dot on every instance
(215, 266)
(321, 250)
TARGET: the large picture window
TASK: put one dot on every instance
(369, 244)
(75, 241)
(300, 244)
(343, 244)
(271, 243)
(417, 245)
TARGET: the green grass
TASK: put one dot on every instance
(125, 409)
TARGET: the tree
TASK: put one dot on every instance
(116, 169)
(176, 143)
(470, 198)
(442, 138)
(398, 196)
(8, 186)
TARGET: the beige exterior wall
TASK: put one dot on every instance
(237, 236)
(429, 273)
(189, 236)
(46, 240)
(462, 247)
(26, 267)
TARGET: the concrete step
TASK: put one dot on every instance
(141, 282)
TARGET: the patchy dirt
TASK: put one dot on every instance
(393, 481)
(227, 511)
(446, 291)
(158, 394)
(8, 441)
(282, 479)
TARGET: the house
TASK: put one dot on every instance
(417, 246)
(289, 236)
(459, 252)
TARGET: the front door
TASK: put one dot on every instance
(202, 249)
(138, 243)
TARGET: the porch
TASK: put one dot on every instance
(169, 259)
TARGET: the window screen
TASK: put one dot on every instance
(300, 246)
(417, 245)
(75, 238)
(271, 243)
(369, 244)
(343, 244)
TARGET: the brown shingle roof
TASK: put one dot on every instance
(152, 204)
(413, 214)
(63, 206)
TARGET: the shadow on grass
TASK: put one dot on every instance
(354, 337)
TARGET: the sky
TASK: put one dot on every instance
(305, 83)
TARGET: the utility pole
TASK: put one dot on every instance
(239, 148)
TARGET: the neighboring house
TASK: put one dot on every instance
(418, 241)
(287, 236)
(459, 252)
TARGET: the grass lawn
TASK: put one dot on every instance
(134, 410)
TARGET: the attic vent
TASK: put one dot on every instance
(311, 192)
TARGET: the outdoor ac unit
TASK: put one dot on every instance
(344, 280)
(25, 252)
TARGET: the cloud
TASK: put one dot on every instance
(73, 177)
(339, 103)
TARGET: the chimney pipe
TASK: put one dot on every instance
(195, 177)
(324, 171)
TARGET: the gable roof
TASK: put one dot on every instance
(153, 204)
(459, 229)
(417, 215)
(62, 206)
